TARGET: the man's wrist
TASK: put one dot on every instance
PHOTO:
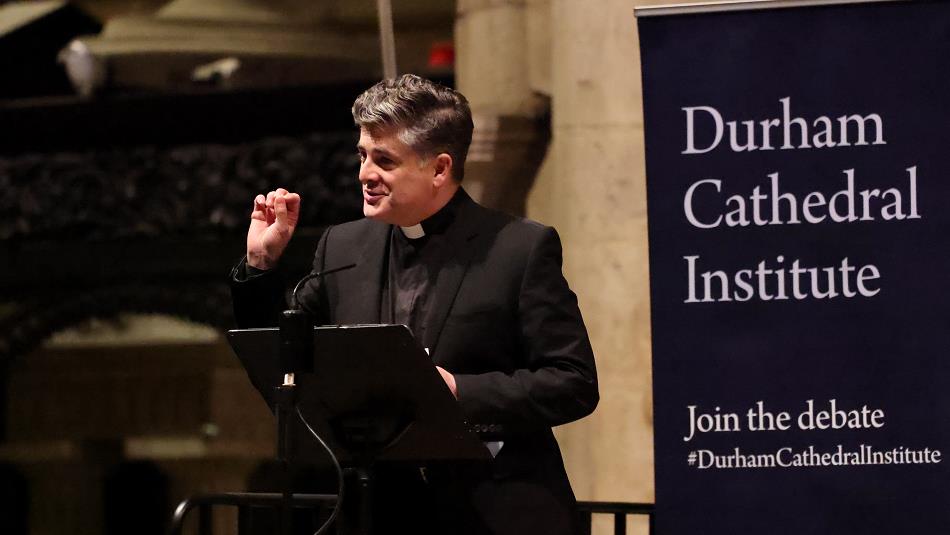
(258, 263)
(252, 271)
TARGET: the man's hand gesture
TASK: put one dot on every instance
(273, 221)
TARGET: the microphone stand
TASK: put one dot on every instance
(296, 356)
(296, 350)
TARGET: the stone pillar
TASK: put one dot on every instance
(592, 188)
(498, 43)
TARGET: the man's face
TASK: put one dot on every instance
(397, 184)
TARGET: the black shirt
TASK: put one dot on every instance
(413, 265)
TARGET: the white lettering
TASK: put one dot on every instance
(691, 129)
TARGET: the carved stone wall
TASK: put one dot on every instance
(151, 229)
(193, 190)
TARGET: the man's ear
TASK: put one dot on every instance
(443, 169)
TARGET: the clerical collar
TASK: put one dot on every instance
(437, 222)
(414, 232)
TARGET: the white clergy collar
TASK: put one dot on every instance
(414, 232)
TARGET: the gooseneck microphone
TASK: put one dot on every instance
(296, 331)
(315, 275)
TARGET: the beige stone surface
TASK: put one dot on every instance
(491, 64)
(596, 188)
(609, 454)
(541, 199)
(596, 67)
(503, 68)
(539, 57)
(592, 188)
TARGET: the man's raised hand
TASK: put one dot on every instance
(273, 221)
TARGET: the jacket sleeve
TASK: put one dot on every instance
(558, 381)
(259, 298)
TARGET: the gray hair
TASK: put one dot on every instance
(429, 117)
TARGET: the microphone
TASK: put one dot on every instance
(296, 332)
(316, 275)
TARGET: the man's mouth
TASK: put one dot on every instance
(372, 197)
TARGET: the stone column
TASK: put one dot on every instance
(502, 59)
(591, 187)
(593, 190)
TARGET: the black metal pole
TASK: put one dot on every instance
(286, 401)
(364, 476)
(296, 355)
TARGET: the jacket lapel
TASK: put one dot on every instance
(367, 278)
(461, 239)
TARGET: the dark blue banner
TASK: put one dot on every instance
(798, 175)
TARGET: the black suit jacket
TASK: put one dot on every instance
(502, 319)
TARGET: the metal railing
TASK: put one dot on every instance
(620, 510)
(245, 501)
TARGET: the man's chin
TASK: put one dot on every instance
(376, 213)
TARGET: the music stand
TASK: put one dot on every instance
(374, 395)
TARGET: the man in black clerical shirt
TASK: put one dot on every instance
(414, 260)
(481, 290)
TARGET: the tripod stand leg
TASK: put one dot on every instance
(286, 400)
(364, 477)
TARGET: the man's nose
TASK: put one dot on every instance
(367, 173)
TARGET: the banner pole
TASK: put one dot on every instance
(740, 5)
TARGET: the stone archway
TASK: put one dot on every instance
(106, 229)
(86, 409)
(31, 321)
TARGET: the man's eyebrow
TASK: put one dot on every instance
(383, 151)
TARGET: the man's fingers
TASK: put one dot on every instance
(280, 209)
(279, 205)
(266, 240)
(258, 212)
(287, 208)
(269, 215)
(293, 204)
(293, 200)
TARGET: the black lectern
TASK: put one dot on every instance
(374, 395)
